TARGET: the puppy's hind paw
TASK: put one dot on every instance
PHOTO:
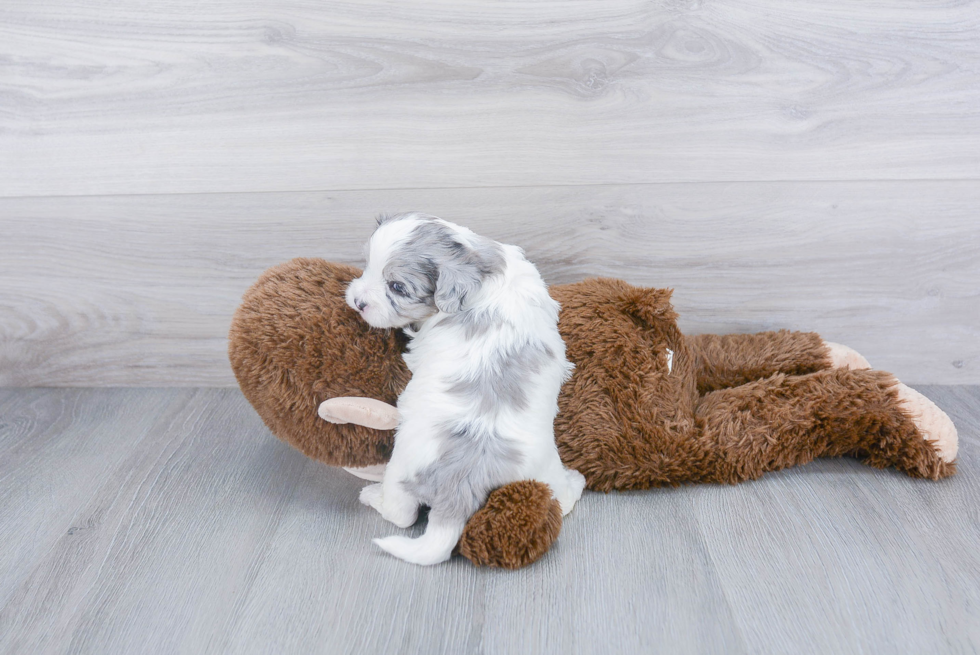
(572, 491)
(421, 551)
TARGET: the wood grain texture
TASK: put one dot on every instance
(168, 96)
(56, 448)
(143, 519)
(205, 534)
(140, 290)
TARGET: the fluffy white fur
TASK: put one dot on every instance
(442, 350)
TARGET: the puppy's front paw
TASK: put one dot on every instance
(372, 496)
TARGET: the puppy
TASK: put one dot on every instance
(487, 364)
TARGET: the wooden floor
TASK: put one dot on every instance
(159, 521)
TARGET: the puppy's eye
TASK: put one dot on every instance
(398, 287)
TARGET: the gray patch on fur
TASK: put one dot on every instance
(472, 462)
(437, 269)
(504, 381)
(474, 323)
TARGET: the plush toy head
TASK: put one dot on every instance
(294, 342)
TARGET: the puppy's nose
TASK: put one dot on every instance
(360, 305)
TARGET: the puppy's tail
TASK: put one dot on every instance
(435, 546)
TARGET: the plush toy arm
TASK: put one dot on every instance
(368, 412)
(730, 360)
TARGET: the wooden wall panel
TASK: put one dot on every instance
(139, 290)
(179, 96)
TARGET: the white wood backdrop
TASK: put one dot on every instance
(792, 164)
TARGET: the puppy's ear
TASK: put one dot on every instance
(457, 279)
(463, 269)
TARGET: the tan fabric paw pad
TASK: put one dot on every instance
(842, 356)
(933, 423)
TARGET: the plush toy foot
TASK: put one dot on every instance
(933, 423)
(842, 356)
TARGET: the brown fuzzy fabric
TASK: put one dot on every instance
(731, 408)
(517, 526)
(728, 360)
(294, 343)
(623, 421)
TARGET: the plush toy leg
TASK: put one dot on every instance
(788, 420)
(724, 361)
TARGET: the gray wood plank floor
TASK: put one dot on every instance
(171, 521)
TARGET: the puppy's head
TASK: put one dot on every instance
(418, 266)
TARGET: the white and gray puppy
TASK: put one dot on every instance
(487, 364)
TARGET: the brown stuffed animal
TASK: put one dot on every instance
(646, 406)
